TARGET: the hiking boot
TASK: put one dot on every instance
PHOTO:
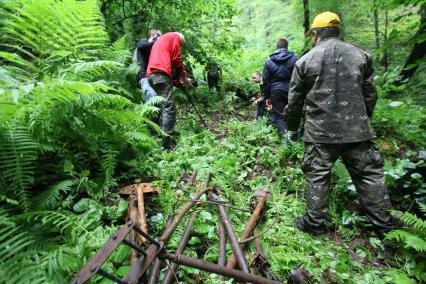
(302, 226)
(169, 143)
(395, 223)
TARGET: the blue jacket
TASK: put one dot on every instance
(277, 71)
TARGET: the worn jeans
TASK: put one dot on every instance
(365, 166)
(147, 90)
(279, 101)
(162, 85)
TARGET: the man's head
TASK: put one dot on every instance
(325, 25)
(256, 77)
(282, 43)
(154, 34)
(181, 37)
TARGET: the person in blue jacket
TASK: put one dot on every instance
(276, 80)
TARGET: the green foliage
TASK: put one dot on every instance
(72, 129)
(69, 121)
(413, 241)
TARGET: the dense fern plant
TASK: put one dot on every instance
(68, 124)
(413, 242)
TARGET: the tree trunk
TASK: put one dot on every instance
(419, 49)
(376, 27)
(385, 61)
(306, 15)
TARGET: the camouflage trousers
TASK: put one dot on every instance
(162, 84)
(365, 166)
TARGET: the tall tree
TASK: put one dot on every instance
(376, 25)
(418, 51)
(306, 15)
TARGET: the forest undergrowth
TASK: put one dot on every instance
(243, 155)
(73, 131)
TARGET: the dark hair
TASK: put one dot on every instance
(327, 32)
(282, 43)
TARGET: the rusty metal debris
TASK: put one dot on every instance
(182, 245)
(262, 195)
(298, 275)
(260, 263)
(152, 253)
(238, 252)
(141, 265)
(217, 269)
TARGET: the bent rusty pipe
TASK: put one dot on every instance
(231, 235)
(221, 260)
(248, 229)
(169, 278)
(217, 269)
(141, 265)
(222, 245)
(156, 267)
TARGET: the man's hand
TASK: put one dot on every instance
(187, 83)
(292, 137)
(257, 101)
(269, 104)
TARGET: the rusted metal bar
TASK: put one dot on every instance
(110, 276)
(248, 229)
(155, 271)
(231, 234)
(192, 178)
(217, 269)
(96, 262)
(140, 266)
(156, 266)
(141, 219)
(134, 246)
(222, 244)
(133, 217)
(169, 278)
(225, 204)
(221, 260)
(260, 262)
(148, 237)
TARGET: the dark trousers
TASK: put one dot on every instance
(213, 81)
(365, 166)
(261, 109)
(279, 100)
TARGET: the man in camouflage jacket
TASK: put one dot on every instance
(333, 87)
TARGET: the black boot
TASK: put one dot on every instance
(302, 226)
(168, 143)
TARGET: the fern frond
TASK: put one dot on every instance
(15, 264)
(96, 69)
(119, 51)
(17, 154)
(409, 239)
(53, 220)
(51, 197)
(411, 220)
(108, 163)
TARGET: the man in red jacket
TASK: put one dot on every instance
(165, 56)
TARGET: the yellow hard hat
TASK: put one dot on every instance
(324, 20)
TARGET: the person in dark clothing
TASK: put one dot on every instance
(143, 52)
(212, 74)
(276, 79)
(259, 101)
(333, 89)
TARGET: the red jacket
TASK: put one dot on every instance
(165, 55)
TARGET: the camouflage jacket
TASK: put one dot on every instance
(333, 87)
